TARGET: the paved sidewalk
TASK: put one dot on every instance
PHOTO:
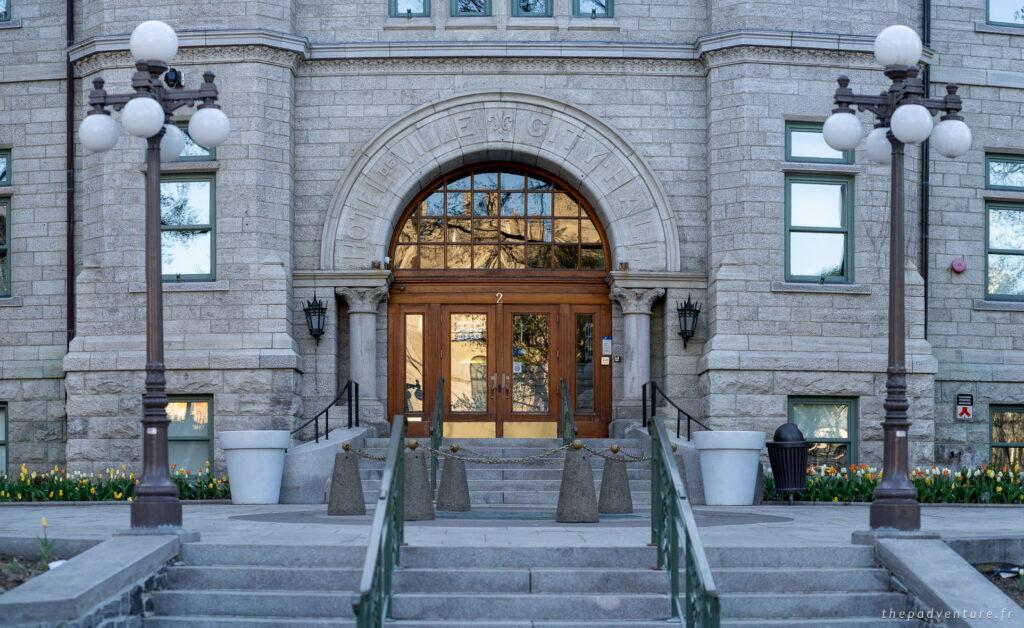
(309, 525)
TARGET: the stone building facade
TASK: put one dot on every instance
(669, 120)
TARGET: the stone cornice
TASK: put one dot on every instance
(198, 39)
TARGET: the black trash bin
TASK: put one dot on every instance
(788, 456)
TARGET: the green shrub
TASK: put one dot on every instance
(111, 485)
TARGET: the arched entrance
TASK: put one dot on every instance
(499, 287)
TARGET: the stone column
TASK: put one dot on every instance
(362, 345)
(636, 345)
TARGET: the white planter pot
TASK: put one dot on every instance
(255, 464)
(728, 464)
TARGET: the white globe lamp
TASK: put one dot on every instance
(99, 132)
(142, 117)
(209, 127)
(877, 146)
(842, 131)
(911, 124)
(172, 143)
(898, 45)
(951, 138)
(153, 41)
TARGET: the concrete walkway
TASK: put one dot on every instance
(309, 525)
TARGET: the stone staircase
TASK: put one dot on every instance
(534, 484)
(221, 585)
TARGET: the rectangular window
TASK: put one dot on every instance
(3, 439)
(5, 248)
(5, 10)
(533, 8)
(593, 8)
(190, 433)
(1007, 12)
(1007, 435)
(830, 425)
(193, 151)
(819, 213)
(187, 224)
(471, 8)
(5, 165)
(806, 143)
(409, 8)
(1004, 172)
(1004, 248)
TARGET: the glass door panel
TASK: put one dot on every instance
(471, 381)
(527, 367)
(584, 364)
(531, 381)
(414, 395)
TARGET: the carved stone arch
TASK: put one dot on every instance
(489, 126)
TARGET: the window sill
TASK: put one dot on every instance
(593, 24)
(1004, 195)
(10, 301)
(409, 24)
(184, 286)
(998, 29)
(6, 190)
(982, 305)
(468, 23)
(10, 24)
(532, 24)
(821, 168)
(185, 167)
(820, 288)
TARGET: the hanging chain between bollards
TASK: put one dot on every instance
(494, 460)
(613, 456)
(363, 454)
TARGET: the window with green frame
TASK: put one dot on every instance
(3, 439)
(409, 8)
(819, 233)
(1005, 12)
(1004, 252)
(5, 10)
(187, 215)
(533, 8)
(1007, 435)
(593, 8)
(1004, 172)
(5, 247)
(193, 151)
(471, 8)
(5, 165)
(190, 433)
(806, 143)
(829, 424)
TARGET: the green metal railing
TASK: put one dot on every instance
(672, 520)
(436, 433)
(372, 604)
(568, 418)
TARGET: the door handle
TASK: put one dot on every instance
(506, 385)
(494, 384)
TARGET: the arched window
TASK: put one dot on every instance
(499, 217)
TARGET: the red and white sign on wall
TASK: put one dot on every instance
(964, 407)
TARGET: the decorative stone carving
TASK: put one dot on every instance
(362, 330)
(636, 345)
(637, 300)
(363, 300)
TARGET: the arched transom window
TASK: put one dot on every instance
(496, 217)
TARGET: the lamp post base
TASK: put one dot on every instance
(156, 512)
(895, 513)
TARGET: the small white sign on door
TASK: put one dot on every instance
(517, 367)
(606, 345)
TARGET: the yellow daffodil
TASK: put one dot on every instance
(999, 489)
(117, 495)
(92, 490)
(60, 493)
(44, 521)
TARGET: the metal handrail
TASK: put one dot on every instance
(568, 416)
(436, 433)
(671, 520)
(655, 390)
(351, 389)
(372, 604)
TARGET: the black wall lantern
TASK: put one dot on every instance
(688, 312)
(316, 316)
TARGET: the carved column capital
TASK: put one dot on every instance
(636, 300)
(363, 300)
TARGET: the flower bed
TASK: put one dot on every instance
(111, 485)
(935, 485)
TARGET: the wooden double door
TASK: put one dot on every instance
(503, 350)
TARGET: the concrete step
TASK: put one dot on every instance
(326, 605)
(449, 623)
(789, 606)
(510, 486)
(520, 498)
(803, 557)
(539, 443)
(843, 622)
(249, 577)
(774, 580)
(331, 556)
(491, 606)
(207, 621)
(615, 558)
(514, 473)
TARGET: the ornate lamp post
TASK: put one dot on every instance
(903, 115)
(146, 113)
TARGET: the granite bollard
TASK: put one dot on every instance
(419, 505)
(577, 500)
(345, 496)
(615, 498)
(453, 493)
